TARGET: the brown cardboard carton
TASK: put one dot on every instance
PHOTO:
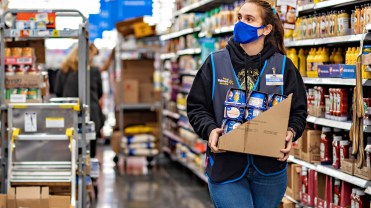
(59, 201)
(264, 135)
(287, 203)
(320, 182)
(296, 148)
(141, 70)
(348, 166)
(11, 198)
(28, 197)
(311, 141)
(116, 142)
(293, 187)
(3, 199)
(364, 173)
(147, 94)
(44, 197)
(130, 91)
(23, 81)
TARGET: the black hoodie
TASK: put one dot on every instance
(200, 104)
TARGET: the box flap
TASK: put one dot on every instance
(28, 193)
(264, 135)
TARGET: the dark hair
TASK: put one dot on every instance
(275, 38)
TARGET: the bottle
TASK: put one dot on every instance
(342, 103)
(316, 57)
(331, 59)
(336, 152)
(302, 63)
(357, 20)
(295, 58)
(309, 27)
(353, 198)
(344, 150)
(323, 25)
(343, 23)
(310, 60)
(360, 200)
(368, 152)
(338, 58)
(337, 192)
(314, 26)
(325, 146)
(347, 56)
(352, 22)
(332, 98)
(304, 27)
(304, 180)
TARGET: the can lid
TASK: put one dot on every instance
(344, 142)
(326, 129)
(338, 138)
(337, 182)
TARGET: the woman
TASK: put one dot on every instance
(255, 50)
(67, 86)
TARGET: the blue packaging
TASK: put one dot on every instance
(274, 99)
(229, 125)
(347, 71)
(252, 112)
(236, 97)
(258, 99)
(323, 71)
(234, 112)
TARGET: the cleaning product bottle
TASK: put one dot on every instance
(295, 58)
(302, 63)
(332, 55)
(310, 61)
(316, 58)
(347, 55)
(338, 58)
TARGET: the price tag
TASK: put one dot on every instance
(18, 98)
(42, 17)
(55, 33)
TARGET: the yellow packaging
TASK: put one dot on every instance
(302, 63)
(294, 58)
(310, 60)
(338, 58)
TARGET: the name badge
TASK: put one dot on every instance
(274, 79)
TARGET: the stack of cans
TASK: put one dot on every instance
(234, 109)
(238, 109)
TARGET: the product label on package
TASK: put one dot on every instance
(30, 122)
(274, 79)
(54, 122)
(18, 98)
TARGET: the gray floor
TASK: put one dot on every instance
(167, 186)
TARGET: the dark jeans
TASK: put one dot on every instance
(252, 191)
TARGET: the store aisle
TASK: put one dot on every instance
(170, 185)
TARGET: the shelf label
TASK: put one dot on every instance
(54, 122)
(18, 98)
(30, 122)
(55, 33)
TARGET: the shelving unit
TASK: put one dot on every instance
(331, 81)
(326, 4)
(201, 6)
(323, 41)
(179, 34)
(14, 171)
(330, 123)
(189, 51)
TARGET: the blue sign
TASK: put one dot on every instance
(113, 11)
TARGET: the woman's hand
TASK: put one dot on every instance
(286, 152)
(213, 140)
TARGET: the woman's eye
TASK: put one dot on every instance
(249, 19)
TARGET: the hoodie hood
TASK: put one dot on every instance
(241, 60)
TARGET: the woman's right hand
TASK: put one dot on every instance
(213, 140)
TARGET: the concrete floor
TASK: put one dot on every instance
(166, 186)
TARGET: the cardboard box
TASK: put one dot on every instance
(296, 148)
(364, 173)
(28, 197)
(293, 186)
(320, 182)
(348, 72)
(116, 142)
(348, 166)
(311, 142)
(147, 93)
(3, 201)
(134, 117)
(128, 93)
(23, 81)
(141, 70)
(287, 203)
(37, 45)
(270, 127)
(59, 201)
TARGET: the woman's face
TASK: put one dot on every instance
(250, 14)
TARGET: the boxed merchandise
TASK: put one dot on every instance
(348, 166)
(23, 81)
(296, 148)
(323, 71)
(147, 94)
(3, 201)
(311, 141)
(141, 70)
(293, 186)
(130, 91)
(320, 182)
(348, 72)
(270, 127)
(364, 173)
(59, 201)
(30, 197)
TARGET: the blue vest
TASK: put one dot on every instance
(229, 167)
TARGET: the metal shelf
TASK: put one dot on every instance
(170, 114)
(323, 41)
(331, 81)
(12, 33)
(222, 30)
(328, 170)
(189, 51)
(172, 136)
(330, 123)
(202, 6)
(140, 106)
(179, 33)
(324, 4)
(191, 167)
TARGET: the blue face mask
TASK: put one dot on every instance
(245, 33)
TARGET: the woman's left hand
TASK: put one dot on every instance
(286, 152)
